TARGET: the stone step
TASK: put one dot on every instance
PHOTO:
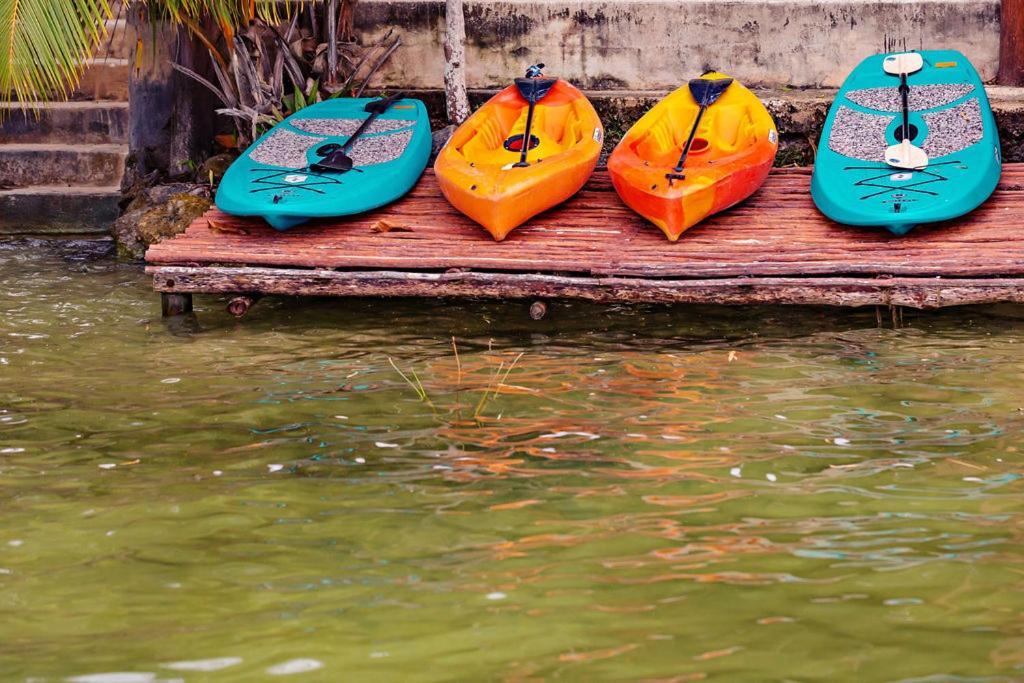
(651, 45)
(58, 210)
(120, 40)
(78, 122)
(24, 164)
(104, 79)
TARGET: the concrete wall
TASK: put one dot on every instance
(644, 45)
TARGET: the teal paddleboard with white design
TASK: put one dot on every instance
(879, 166)
(307, 167)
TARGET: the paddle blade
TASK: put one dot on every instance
(381, 106)
(906, 155)
(335, 162)
(903, 63)
(534, 89)
(706, 91)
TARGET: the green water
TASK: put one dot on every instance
(650, 493)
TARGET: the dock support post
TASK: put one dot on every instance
(897, 316)
(1011, 44)
(172, 303)
(538, 309)
(242, 304)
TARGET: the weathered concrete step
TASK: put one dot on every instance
(57, 210)
(73, 122)
(652, 44)
(119, 42)
(24, 164)
(104, 79)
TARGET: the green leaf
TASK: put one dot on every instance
(44, 45)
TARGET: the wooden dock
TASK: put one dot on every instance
(774, 248)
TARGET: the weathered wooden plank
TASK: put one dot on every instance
(777, 233)
(845, 291)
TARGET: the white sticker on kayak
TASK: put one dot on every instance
(901, 176)
(773, 137)
(295, 178)
(597, 135)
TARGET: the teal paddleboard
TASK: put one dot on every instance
(949, 119)
(280, 177)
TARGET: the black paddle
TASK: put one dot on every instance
(533, 88)
(905, 154)
(705, 93)
(338, 160)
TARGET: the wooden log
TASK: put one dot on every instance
(1011, 44)
(243, 303)
(922, 293)
(175, 303)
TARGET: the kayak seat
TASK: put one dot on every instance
(725, 125)
(498, 138)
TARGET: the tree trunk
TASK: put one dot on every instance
(332, 44)
(171, 119)
(1011, 44)
(456, 100)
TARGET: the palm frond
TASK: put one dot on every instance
(199, 79)
(44, 45)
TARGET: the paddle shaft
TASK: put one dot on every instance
(368, 121)
(689, 140)
(905, 96)
(526, 135)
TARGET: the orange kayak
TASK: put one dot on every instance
(484, 172)
(731, 146)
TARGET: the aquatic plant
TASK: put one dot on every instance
(488, 392)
